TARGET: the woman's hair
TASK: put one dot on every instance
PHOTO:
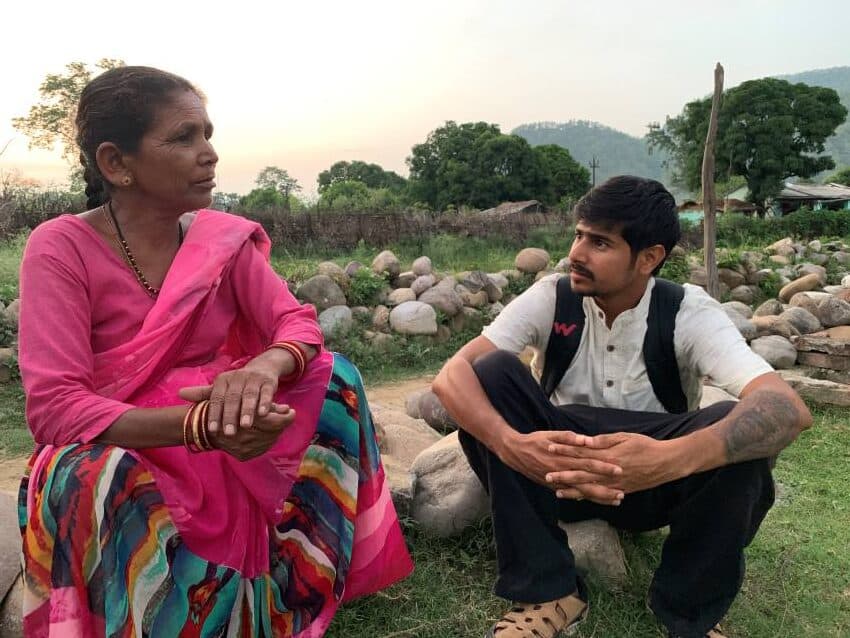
(119, 106)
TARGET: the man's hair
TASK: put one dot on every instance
(640, 209)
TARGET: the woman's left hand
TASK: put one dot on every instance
(236, 396)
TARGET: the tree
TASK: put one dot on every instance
(566, 179)
(473, 164)
(261, 199)
(51, 120)
(841, 176)
(372, 175)
(277, 179)
(768, 130)
(347, 194)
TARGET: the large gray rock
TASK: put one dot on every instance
(335, 272)
(802, 270)
(739, 307)
(768, 308)
(381, 318)
(336, 320)
(411, 403)
(386, 262)
(803, 284)
(414, 318)
(743, 294)
(422, 266)
(776, 350)
(10, 568)
(404, 280)
(432, 411)
(352, 267)
(12, 611)
(12, 311)
(818, 390)
(500, 280)
(833, 312)
(477, 281)
(815, 246)
(598, 552)
(447, 495)
(731, 278)
(774, 325)
(809, 300)
(802, 320)
(744, 325)
(531, 260)
(443, 298)
(321, 291)
(473, 299)
(782, 247)
(399, 296)
(422, 283)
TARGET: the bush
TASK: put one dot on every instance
(676, 269)
(365, 288)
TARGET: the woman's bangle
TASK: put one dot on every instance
(297, 355)
(195, 432)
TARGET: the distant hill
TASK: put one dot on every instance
(617, 153)
(837, 78)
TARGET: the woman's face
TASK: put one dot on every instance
(174, 166)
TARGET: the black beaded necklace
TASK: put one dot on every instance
(128, 254)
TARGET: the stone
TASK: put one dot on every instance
(598, 552)
(386, 262)
(474, 299)
(10, 544)
(563, 265)
(758, 276)
(824, 360)
(839, 333)
(467, 316)
(498, 279)
(803, 320)
(12, 311)
(841, 257)
(808, 300)
(361, 313)
(815, 246)
(833, 312)
(404, 280)
(399, 296)
(845, 281)
(493, 310)
(836, 290)
(832, 342)
(531, 260)
(776, 350)
(352, 267)
(678, 251)
(803, 284)
(478, 280)
(381, 318)
(411, 403)
(422, 266)
(336, 320)
(743, 294)
(781, 260)
(784, 246)
(443, 298)
(741, 308)
(811, 269)
(818, 259)
(731, 278)
(432, 411)
(447, 495)
(402, 439)
(414, 318)
(422, 283)
(769, 307)
(698, 276)
(774, 325)
(818, 390)
(444, 333)
(744, 325)
(12, 610)
(321, 291)
(335, 272)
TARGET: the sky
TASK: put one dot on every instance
(301, 85)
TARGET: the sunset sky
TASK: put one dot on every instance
(302, 85)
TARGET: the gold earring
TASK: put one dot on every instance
(127, 180)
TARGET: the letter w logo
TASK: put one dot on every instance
(563, 329)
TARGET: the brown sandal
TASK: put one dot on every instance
(554, 619)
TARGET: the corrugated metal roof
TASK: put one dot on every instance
(815, 191)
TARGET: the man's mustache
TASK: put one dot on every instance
(580, 270)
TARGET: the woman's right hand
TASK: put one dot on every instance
(250, 442)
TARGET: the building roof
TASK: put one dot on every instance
(823, 192)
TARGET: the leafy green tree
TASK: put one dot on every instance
(839, 177)
(51, 120)
(566, 179)
(768, 130)
(262, 199)
(372, 175)
(345, 195)
(278, 179)
(473, 164)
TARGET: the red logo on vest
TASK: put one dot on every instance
(563, 329)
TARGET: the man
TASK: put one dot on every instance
(604, 446)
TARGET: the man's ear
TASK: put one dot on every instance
(111, 163)
(649, 258)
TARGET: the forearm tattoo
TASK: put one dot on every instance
(762, 428)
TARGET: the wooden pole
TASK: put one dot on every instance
(709, 199)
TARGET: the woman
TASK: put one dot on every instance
(203, 466)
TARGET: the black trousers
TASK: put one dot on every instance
(712, 515)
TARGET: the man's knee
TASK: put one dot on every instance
(497, 365)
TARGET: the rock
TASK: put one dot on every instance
(444, 333)
(833, 312)
(464, 318)
(811, 269)
(803, 284)
(447, 495)
(839, 333)
(845, 281)
(361, 313)
(803, 320)
(712, 394)
(531, 260)
(744, 325)
(478, 280)
(386, 262)
(563, 265)
(335, 272)
(422, 283)
(818, 259)
(443, 298)
(434, 414)
(730, 277)
(422, 266)
(836, 290)
(336, 320)
(698, 276)
(743, 294)
(399, 296)
(474, 299)
(414, 318)
(12, 611)
(824, 360)
(809, 300)
(781, 260)
(12, 311)
(830, 343)
(818, 390)
(352, 267)
(321, 291)
(841, 257)
(493, 310)
(815, 246)
(498, 279)
(381, 318)
(773, 325)
(402, 439)
(782, 247)
(381, 341)
(741, 308)
(404, 280)
(598, 552)
(758, 276)
(411, 403)
(769, 307)
(11, 587)
(776, 350)
(678, 251)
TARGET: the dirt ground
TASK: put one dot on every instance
(389, 395)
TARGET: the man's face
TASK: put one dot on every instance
(601, 262)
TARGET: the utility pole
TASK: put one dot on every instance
(709, 197)
(594, 164)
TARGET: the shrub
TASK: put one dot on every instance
(365, 288)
